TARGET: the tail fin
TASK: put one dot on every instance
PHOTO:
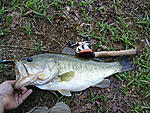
(126, 65)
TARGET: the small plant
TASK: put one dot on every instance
(72, 2)
(88, 19)
(82, 3)
(28, 28)
(110, 32)
(1, 66)
(93, 97)
(4, 32)
(2, 11)
(102, 8)
(1, 41)
(8, 19)
(90, 2)
(67, 100)
(40, 8)
(144, 22)
(38, 46)
(55, 3)
(140, 107)
(105, 98)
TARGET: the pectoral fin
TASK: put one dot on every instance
(64, 92)
(104, 84)
(67, 76)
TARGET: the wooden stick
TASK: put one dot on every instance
(115, 53)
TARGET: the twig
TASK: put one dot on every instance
(29, 12)
(54, 40)
(147, 42)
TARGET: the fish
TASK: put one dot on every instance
(66, 73)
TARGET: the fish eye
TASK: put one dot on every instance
(29, 59)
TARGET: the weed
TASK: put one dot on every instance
(105, 98)
(4, 32)
(82, 3)
(2, 11)
(67, 100)
(1, 66)
(144, 22)
(72, 2)
(8, 19)
(140, 107)
(38, 46)
(55, 3)
(93, 97)
(118, 33)
(102, 8)
(90, 2)
(89, 19)
(1, 41)
(28, 28)
(102, 109)
(40, 8)
(105, 27)
(50, 19)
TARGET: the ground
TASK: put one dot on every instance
(29, 27)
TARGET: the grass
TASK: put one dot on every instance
(144, 22)
(116, 32)
(4, 32)
(8, 19)
(1, 66)
(67, 100)
(93, 97)
(40, 7)
(140, 107)
(27, 27)
(1, 41)
(2, 11)
(38, 46)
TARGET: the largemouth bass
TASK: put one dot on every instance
(65, 73)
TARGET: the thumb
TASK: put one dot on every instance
(24, 96)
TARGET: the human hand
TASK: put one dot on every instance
(11, 98)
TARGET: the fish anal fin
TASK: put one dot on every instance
(65, 92)
(67, 76)
(103, 84)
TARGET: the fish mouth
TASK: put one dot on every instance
(21, 75)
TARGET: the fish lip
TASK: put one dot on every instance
(19, 76)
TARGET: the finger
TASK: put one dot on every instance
(23, 90)
(25, 95)
(17, 99)
(20, 101)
